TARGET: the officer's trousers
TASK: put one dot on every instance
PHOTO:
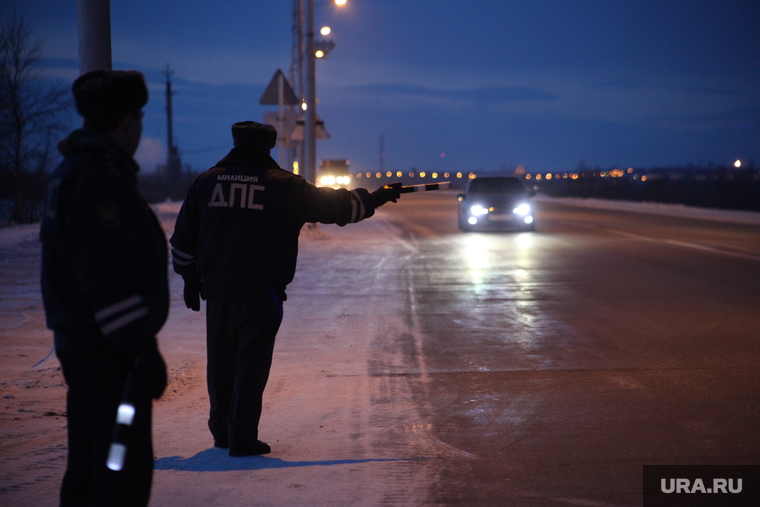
(96, 375)
(240, 339)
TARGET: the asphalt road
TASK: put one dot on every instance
(553, 365)
(419, 365)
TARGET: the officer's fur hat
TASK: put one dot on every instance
(251, 135)
(103, 97)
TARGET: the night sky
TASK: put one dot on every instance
(548, 84)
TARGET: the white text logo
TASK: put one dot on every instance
(245, 192)
(685, 486)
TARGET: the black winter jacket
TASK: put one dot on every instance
(239, 225)
(104, 255)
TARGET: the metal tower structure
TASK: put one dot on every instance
(173, 169)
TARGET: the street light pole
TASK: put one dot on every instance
(94, 35)
(309, 136)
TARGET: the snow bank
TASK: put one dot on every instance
(662, 209)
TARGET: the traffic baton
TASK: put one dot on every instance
(426, 187)
(125, 415)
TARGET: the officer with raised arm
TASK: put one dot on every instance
(235, 243)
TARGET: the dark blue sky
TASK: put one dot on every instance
(490, 83)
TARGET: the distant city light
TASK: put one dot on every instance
(304, 106)
(319, 53)
(738, 163)
(325, 30)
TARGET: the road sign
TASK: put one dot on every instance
(271, 96)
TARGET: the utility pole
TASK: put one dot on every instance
(296, 58)
(307, 89)
(295, 78)
(173, 168)
(309, 135)
(94, 35)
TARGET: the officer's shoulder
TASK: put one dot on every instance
(211, 172)
(91, 167)
(281, 175)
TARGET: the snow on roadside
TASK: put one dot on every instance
(662, 209)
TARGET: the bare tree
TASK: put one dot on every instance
(32, 115)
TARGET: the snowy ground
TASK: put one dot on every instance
(317, 389)
(654, 208)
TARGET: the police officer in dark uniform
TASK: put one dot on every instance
(235, 243)
(105, 290)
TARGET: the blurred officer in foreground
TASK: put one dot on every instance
(235, 243)
(105, 290)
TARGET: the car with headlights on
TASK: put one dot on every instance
(334, 173)
(496, 202)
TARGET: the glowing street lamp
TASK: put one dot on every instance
(738, 164)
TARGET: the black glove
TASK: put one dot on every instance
(389, 192)
(151, 371)
(193, 292)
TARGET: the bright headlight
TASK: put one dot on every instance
(523, 209)
(478, 210)
(327, 180)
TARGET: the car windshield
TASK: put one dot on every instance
(496, 186)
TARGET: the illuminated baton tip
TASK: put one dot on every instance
(426, 187)
(116, 456)
(125, 414)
